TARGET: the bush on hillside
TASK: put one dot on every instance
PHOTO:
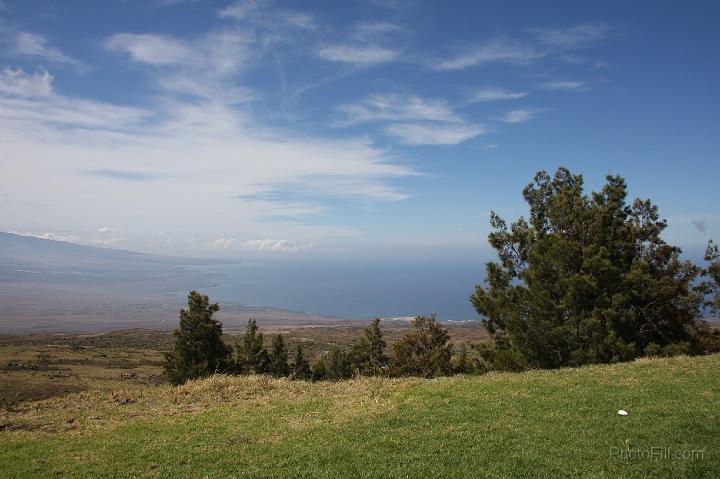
(423, 352)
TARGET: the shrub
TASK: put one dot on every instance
(424, 351)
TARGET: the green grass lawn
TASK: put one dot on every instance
(561, 423)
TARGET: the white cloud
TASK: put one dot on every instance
(18, 83)
(519, 116)
(358, 54)
(204, 66)
(496, 50)
(33, 44)
(557, 42)
(395, 107)
(563, 85)
(259, 14)
(27, 99)
(369, 43)
(67, 238)
(573, 37)
(223, 243)
(108, 230)
(412, 119)
(496, 94)
(434, 134)
(150, 48)
(206, 157)
(373, 31)
(241, 10)
(107, 241)
(275, 245)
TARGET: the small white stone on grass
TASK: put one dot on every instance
(622, 412)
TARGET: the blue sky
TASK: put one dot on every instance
(348, 128)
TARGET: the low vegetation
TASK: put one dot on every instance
(545, 424)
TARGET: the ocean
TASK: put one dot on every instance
(352, 289)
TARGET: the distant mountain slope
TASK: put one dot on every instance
(18, 249)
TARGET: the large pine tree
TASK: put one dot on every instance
(586, 279)
(198, 349)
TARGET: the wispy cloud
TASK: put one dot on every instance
(107, 241)
(358, 54)
(396, 107)
(67, 238)
(242, 9)
(573, 37)
(546, 42)
(16, 82)
(261, 14)
(416, 134)
(563, 85)
(369, 43)
(29, 98)
(411, 119)
(497, 50)
(496, 94)
(33, 44)
(223, 243)
(108, 230)
(275, 245)
(150, 48)
(518, 116)
(126, 175)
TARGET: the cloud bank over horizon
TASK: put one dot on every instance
(269, 129)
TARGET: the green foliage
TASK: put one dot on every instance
(338, 364)
(279, 366)
(712, 285)
(377, 360)
(586, 279)
(317, 371)
(367, 355)
(249, 357)
(198, 349)
(424, 351)
(468, 360)
(300, 367)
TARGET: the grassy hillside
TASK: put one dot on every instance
(542, 424)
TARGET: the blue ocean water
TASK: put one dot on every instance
(353, 289)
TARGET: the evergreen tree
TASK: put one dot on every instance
(279, 358)
(585, 279)
(198, 349)
(318, 370)
(424, 351)
(712, 285)
(376, 347)
(367, 355)
(337, 364)
(248, 353)
(300, 365)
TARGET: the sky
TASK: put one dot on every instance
(346, 129)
